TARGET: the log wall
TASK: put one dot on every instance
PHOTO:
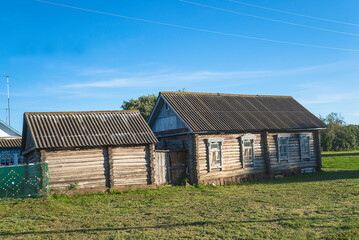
(96, 167)
(266, 161)
(87, 168)
(294, 153)
(232, 165)
(131, 165)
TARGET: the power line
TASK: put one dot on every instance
(203, 30)
(295, 14)
(270, 19)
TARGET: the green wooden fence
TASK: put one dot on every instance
(23, 181)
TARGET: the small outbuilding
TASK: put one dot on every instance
(90, 149)
(232, 138)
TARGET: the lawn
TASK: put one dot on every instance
(312, 206)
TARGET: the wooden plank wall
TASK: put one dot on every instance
(87, 168)
(162, 168)
(294, 153)
(232, 165)
(131, 165)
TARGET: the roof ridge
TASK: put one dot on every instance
(81, 112)
(221, 94)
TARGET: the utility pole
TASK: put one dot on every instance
(8, 96)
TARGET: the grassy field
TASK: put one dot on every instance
(354, 152)
(312, 206)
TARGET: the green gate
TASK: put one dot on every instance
(22, 181)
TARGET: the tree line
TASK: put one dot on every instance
(338, 136)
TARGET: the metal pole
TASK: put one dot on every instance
(8, 96)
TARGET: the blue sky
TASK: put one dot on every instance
(66, 59)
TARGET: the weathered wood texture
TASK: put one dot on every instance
(319, 150)
(294, 153)
(232, 165)
(167, 120)
(85, 168)
(266, 153)
(96, 167)
(162, 173)
(131, 165)
(186, 142)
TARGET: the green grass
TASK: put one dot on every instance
(340, 152)
(342, 162)
(321, 205)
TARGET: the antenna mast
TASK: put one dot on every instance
(8, 96)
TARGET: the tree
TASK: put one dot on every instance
(331, 137)
(144, 104)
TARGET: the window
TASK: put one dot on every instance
(10, 158)
(247, 150)
(304, 140)
(215, 154)
(283, 147)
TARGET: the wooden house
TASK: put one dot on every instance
(10, 145)
(231, 138)
(90, 149)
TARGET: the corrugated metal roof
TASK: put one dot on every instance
(204, 112)
(10, 142)
(84, 129)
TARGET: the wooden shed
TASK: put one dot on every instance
(90, 149)
(232, 138)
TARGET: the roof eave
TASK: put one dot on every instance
(257, 130)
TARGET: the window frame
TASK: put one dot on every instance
(279, 138)
(304, 156)
(247, 138)
(13, 158)
(209, 152)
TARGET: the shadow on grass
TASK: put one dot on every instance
(340, 154)
(333, 174)
(87, 230)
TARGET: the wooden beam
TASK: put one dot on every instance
(319, 150)
(151, 149)
(266, 153)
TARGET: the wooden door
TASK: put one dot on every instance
(162, 167)
(177, 165)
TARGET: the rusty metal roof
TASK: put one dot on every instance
(203, 112)
(10, 142)
(86, 129)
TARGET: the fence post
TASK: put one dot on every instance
(44, 172)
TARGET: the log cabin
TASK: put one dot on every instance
(229, 138)
(90, 149)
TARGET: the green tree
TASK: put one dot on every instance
(338, 136)
(144, 104)
(331, 136)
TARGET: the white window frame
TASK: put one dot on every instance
(301, 142)
(209, 150)
(286, 137)
(248, 138)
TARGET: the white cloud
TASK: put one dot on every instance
(150, 78)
